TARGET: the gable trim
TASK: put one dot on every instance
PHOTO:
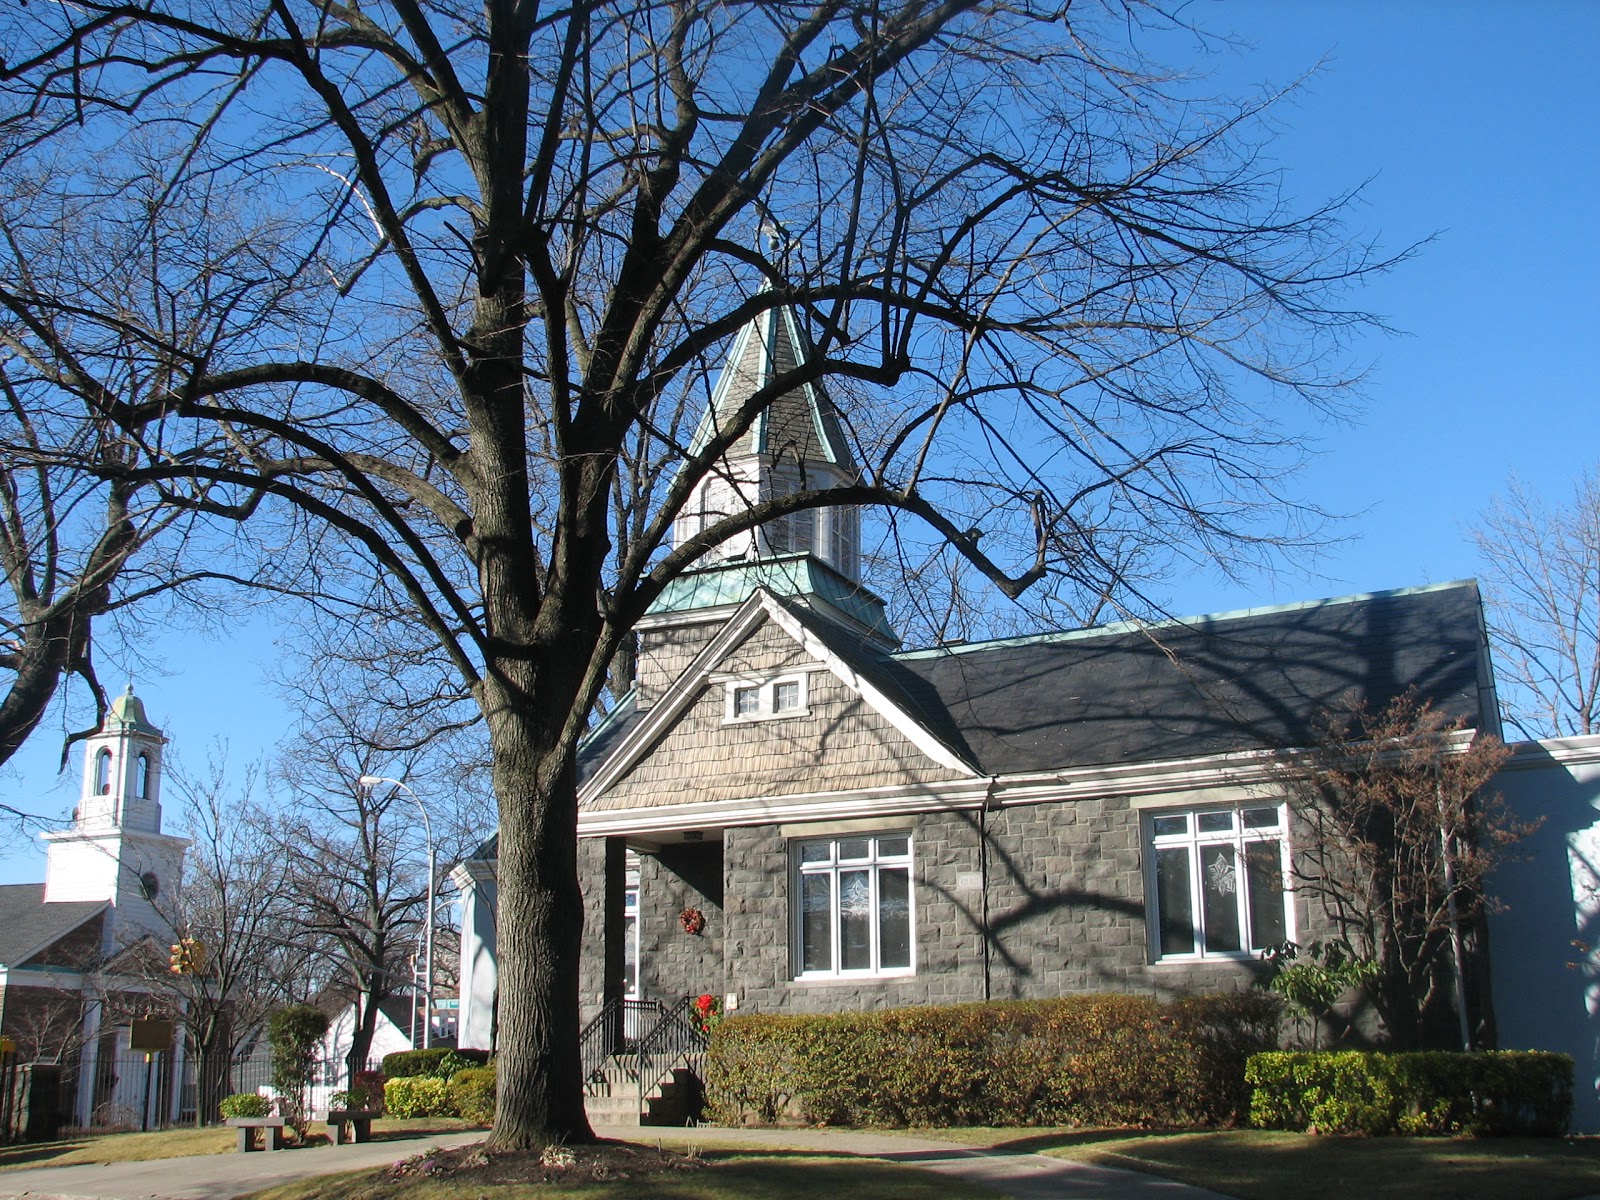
(105, 905)
(699, 674)
(908, 726)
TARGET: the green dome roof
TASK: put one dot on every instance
(128, 710)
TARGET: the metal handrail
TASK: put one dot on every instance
(676, 1035)
(613, 1031)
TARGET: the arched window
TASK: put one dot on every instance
(102, 772)
(141, 778)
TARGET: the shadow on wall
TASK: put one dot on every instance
(1545, 946)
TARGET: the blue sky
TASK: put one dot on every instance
(1477, 123)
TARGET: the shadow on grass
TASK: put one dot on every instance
(41, 1153)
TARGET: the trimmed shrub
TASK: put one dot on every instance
(418, 1096)
(1079, 1060)
(441, 1062)
(245, 1104)
(1424, 1094)
(293, 1032)
(472, 1092)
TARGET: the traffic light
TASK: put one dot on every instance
(188, 957)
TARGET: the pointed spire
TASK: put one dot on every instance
(799, 427)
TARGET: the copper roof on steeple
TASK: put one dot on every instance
(801, 425)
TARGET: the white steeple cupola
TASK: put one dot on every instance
(122, 771)
(794, 444)
(114, 849)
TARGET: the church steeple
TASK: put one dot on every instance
(796, 443)
(114, 849)
(122, 771)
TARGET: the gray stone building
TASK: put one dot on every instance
(795, 813)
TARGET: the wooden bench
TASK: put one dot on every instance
(350, 1124)
(271, 1133)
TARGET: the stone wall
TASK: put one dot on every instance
(1058, 887)
(672, 962)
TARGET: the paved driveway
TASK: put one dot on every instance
(222, 1176)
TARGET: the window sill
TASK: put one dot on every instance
(1209, 960)
(811, 981)
(757, 718)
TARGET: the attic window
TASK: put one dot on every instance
(766, 699)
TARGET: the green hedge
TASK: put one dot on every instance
(1079, 1060)
(1429, 1093)
(472, 1092)
(439, 1062)
(244, 1104)
(418, 1096)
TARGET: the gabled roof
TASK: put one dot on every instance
(1250, 680)
(28, 925)
(801, 425)
(611, 752)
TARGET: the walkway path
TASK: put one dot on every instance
(222, 1176)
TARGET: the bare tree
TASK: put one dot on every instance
(87, 524)
(1542, 583)
(1035, 271)
(238, 955)
(1401, 837)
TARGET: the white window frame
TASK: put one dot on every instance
(766, 698)
(1239, 836)
(631, 982)
(875, 862)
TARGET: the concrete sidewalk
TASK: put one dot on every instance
(223, 1176)
(211, 1176)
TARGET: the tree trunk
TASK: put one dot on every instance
(540, 930)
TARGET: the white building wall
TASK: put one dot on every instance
(479, 978)
(1544, 946)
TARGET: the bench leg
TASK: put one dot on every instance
(274, 1135)
(339, 1128)
(362, 1131)
(247, 1140)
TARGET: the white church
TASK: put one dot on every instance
(110, 882)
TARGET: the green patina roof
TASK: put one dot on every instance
(128, 710)
(783, 575)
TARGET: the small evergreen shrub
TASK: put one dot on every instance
(441, 1062)
(418, 1096)
(1423, 1094)
(294, 1032)
(472, 1093)
(1078, 1060)
(245, 1104)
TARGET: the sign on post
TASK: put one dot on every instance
(150, 1034)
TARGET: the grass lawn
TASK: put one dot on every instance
(746, 1175)
(1261, 1165)
(178, 1143)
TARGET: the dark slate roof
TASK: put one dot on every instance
(1210, 685)
(28, 924)
(598, 745)
(801, 425)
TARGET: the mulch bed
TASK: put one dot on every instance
(597, 1162)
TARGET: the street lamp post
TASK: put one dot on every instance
(371, 781)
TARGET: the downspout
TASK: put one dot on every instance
(1456, 952)
(983, 873)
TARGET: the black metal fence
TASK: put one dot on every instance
(136, 1091)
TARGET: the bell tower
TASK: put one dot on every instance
(795, 443)
(114, 849)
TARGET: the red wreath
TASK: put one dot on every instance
(692, 920)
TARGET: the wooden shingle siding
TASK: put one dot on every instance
(842, 742)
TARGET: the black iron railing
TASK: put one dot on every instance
(615, 1030)
(645, 1039)
(677, 1038)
